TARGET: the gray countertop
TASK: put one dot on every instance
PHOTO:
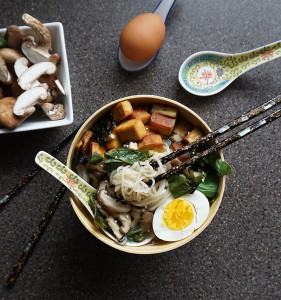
(238, 255)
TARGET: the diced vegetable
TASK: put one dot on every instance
(193, 135)
(151, 142)
(95, 147)
(120, 156)
(122, 110)
(162, 124)
(103, 128)
(131, 131)
(164, 110)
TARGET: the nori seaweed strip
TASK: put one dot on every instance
(21, 184)
(35, 237)
(233, 138)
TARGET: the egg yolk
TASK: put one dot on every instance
(178, 214)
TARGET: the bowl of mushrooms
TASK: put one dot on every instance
(34, 77)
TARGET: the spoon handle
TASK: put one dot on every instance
(78, 186)
(253, 58)
(163, 9)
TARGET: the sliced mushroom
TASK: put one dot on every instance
(83, 172)
(136, 214)
(146, 221)
(126, 221)
(54, 112)
(110, 204)
(5, 76)
(14, 36)
(28, 77)
(10, 55)
(115, 227)
(27, 100)
(7, 117)
(36, 52)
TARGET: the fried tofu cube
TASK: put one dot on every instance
(84, 143)
(162, 124)
(141, 114)
(182, 127)
(94, 147)
(176, 146)
(122, 110)
(164, 110)
(113, 141)
(151, 142)
(131, 131)
(193, 135)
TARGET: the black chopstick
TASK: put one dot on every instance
(233, 138)
(36, 169)
(35, 237)
(221, 130)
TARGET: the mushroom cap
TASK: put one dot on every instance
(110, 204)
(7, 117)
(14, 36)
(10, 55)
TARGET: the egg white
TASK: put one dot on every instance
(200, 206)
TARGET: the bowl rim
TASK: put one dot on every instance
(168, 246)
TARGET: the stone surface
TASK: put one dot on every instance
(238, 255)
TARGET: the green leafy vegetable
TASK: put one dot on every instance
(120, 156)
(98, 218)
(179, 185)
(134, 231)
(103, 128)
(96, 158)
(2, 42)
(210, 185)
(222, 167)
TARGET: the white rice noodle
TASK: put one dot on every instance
(129, 181)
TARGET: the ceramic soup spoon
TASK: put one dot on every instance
(207, 73)
(163, 9)
(78, 186)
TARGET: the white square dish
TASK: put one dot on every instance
(39, 120)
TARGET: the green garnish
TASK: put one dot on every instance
(2, 42)
(98, 218)
(96, 158)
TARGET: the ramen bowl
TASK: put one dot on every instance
(156, 245)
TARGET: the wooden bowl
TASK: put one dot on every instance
(157, 246)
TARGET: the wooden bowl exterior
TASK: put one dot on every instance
(158, 246)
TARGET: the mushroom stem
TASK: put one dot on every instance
(54, 112)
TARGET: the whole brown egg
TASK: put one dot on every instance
(142, 37)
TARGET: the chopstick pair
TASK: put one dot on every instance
(221, 130)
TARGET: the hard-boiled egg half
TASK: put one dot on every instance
(175, 219)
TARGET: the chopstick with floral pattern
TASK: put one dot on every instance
(221, 130)
(233, 138)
